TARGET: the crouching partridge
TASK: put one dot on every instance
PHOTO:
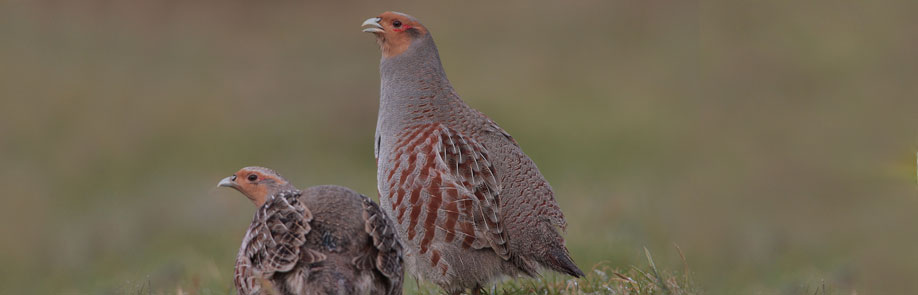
(469, 205)
(322, 240)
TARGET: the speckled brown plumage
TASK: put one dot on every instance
(470, 206)
(322, 240)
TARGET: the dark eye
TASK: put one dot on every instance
(397, 23)
(252, 177)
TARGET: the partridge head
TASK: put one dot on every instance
(394, 31)
(256, 183)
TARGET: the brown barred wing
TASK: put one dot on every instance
(386, 257)
(274, 244)
(442, 187)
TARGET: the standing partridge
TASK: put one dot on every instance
(323, 240)
(469, 205)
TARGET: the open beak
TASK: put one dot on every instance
(228, 182)
(375, 26)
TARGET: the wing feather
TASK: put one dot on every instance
(274, 243)
(387, 258)
(449, 176)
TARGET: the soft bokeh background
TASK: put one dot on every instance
(773, 142)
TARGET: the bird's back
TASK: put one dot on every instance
(529, 212)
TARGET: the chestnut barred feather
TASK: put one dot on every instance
(444, 188)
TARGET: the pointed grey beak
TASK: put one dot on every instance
(377, 28)
(228, 182)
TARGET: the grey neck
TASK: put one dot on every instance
(414, 74)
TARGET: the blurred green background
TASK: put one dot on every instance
(773, 141)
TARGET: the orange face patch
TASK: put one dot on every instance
(255, 184)
(399, 30)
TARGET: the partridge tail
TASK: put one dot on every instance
(558, 259)
(554, 254)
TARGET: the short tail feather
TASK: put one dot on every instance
(560, 260)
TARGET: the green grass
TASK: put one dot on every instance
(606, 279)
(602, 278)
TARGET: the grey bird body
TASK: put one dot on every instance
(470, 206)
